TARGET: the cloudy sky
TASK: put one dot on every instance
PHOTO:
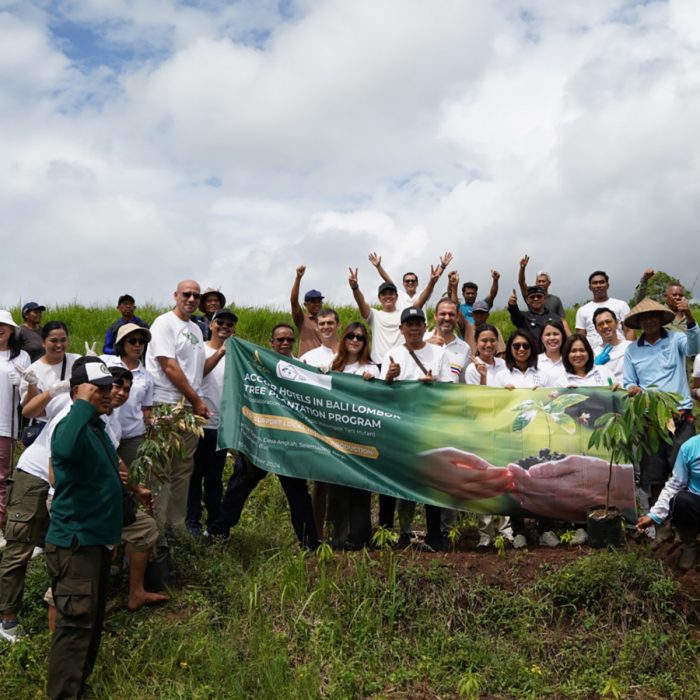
(144, 142)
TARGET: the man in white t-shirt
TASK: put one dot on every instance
(612, 352)
(415, 360)
(327, 322)
(385, 323)
(177, 362)
(206, 483)
(457, 351)
(598, 283)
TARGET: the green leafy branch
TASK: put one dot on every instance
(163, 440)
(645, 421)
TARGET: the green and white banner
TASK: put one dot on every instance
(521, 452)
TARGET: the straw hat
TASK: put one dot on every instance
(132, 328)
(646, 305)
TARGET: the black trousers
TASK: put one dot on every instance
(349, 513)
(208, 470)
(246, 476)
(655, 468)
(685, 514)
(387, 505)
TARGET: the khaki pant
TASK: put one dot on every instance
(128, 447)
(142, 534)
(171, 496)
(26, 518)
(79, 578)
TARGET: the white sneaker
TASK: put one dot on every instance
(37, 552)
(10, 634)
(580, 537)
(484, 540)
(519, 541)
(549, 539)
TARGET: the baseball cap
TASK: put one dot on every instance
(481, 306)
(32, 306)
(386, 287)
(90, 370)
(535, 290)
(412, 312)
(313, 294)
(225, 313)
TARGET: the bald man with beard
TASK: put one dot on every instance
(177, 361)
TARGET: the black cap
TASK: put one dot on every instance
(90, 370)
(535, 290)
(32, 306)
(386, 287)
(313, 294)
(412, 312)
(225, 313)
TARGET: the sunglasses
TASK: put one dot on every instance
(355, 336)
(221, 322)
(283, 340)
(410, 281)
(193, 295)
(136, 341)
(520, 346)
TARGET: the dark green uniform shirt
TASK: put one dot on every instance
(87, 503)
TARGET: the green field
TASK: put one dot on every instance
(256, 618)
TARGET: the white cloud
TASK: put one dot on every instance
(230, 143)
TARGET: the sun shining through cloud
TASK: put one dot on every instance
(231, 142)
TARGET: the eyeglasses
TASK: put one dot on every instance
(136, 341)
(520, 346)
(221, 322)
(193, 295)
(284, 339)
(355, 336)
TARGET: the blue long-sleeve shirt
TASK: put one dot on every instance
(686, 475)
(662, 363)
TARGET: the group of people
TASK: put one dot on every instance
(89, 416)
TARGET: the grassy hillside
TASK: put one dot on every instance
(256, 618)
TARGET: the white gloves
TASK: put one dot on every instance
(62, 387)
(17, 374)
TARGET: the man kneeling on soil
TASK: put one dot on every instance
(680, 498)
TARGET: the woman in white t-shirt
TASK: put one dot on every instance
(11, 358)
(521, 371)
(51, 372)
(129, 348)
(552, 337)
(349, 509)
(578, 368)
(485, 365)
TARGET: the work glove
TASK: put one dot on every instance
(62, 387)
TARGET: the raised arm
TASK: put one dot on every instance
(522, 282)
(493, 292)
(516, 315)
(641, 289)
(297, 311)
(376, 260)
(362, 305)
(435, 274)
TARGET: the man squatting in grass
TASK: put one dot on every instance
(246, 476)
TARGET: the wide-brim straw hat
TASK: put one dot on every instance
(132, 328)
(206, 293)
(645, 306)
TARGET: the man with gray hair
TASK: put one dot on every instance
(552, 302)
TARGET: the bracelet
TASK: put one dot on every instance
(443, 266)
(355, 287)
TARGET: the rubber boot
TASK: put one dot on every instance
(691, 548)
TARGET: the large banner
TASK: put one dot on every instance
(521, 452)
